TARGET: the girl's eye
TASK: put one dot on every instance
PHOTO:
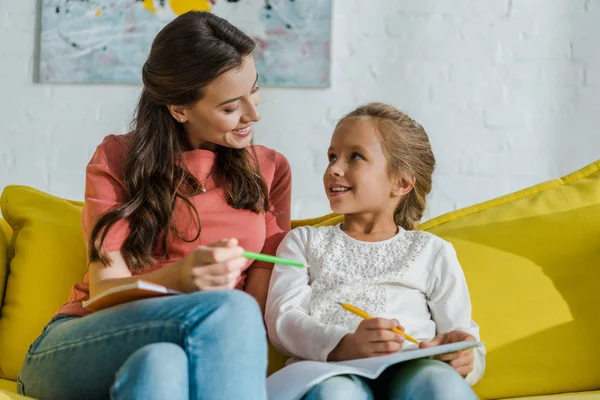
(356, 156)
(256, 89)
(331, 157)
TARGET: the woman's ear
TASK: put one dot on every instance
(178, 112)
(402, 185)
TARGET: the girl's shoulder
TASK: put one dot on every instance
(431, 238)
(429, 241)
(413, 236)
(308, 233)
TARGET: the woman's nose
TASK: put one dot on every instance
(251, 113)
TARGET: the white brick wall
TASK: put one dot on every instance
(509, 91)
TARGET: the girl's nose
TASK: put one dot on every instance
(336, 170)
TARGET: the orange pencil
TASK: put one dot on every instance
(364, 315)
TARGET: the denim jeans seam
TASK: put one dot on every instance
(106, 335)
(20, 386)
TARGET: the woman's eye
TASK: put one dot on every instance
(331, 157)
(230, 110)
(256, 89)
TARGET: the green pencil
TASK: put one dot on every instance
(272, 259)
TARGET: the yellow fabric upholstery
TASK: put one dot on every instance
(4, 244)
(49, 257)
(9, 386)
(6, 229)
(532, 261)
(10, 395)
(595, 395)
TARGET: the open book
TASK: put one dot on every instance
(293, 381)
(125, 293)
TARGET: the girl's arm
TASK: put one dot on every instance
(450, 306)
(291, 329)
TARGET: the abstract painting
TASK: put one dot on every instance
(107, 41)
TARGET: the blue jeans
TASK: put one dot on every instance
(415, 380)
(205, 345)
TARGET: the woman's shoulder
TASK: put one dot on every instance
(274, 167)
(267, 156)
(112, 151)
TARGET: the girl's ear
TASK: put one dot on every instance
(178, 112)
(402, 185)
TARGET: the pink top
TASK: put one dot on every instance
(262, 232)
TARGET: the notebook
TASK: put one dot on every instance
(293, 381)
(125, 293)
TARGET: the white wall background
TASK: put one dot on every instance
(508, 90)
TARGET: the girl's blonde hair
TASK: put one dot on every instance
(408, 151)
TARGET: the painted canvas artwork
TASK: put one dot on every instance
(107, 41)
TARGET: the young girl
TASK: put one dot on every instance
(379, 173)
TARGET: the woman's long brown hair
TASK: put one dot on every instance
(186, 55)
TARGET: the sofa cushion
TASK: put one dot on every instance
(532, 262)
(4, 243)
(9, 395)
(49, 257)
(8, 386)
(595, 395)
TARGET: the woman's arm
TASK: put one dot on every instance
(277, 225)
(102, 278)
(291, 329)
(213, 267)
(104, 191)
(216, 266)
(257, 285)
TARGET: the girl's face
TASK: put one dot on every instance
(225, 114)
(357, 179)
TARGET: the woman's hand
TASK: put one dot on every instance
(213, 267)
(462, 361)
(372, 338)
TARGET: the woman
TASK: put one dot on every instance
(175, 202)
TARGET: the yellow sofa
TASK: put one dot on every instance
(531, 258)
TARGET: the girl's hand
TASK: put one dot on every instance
(372, 338)
(213, 267)
(462, 361)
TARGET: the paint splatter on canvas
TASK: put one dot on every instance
(107, 41)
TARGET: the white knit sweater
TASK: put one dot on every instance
(414, 277)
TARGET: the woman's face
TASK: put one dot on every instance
(224, 116)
